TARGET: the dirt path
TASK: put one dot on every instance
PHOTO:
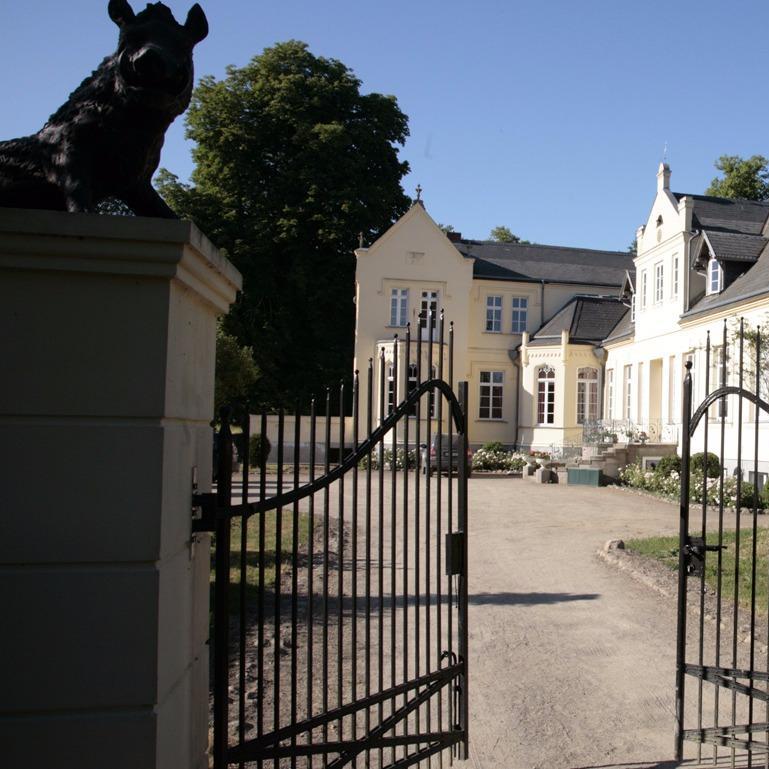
(572, 661)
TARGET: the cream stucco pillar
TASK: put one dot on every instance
(107, 340)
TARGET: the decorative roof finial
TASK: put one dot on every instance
(665, 153)
(419, 192)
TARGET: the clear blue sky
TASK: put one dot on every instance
(547, 116)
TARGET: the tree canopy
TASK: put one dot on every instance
(236, 371)
(504, 234)
(292, 164)
(747, 179)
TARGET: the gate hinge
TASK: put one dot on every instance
(203, 512)
(694, 553)
(455, 553)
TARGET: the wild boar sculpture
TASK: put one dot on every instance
(105, 141)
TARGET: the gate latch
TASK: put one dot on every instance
(695, 555)
(455, 553)
(203, 512)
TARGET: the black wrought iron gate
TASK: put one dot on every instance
(340, 600)
(722, 677)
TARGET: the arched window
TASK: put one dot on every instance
(587, 395)
(546, 396)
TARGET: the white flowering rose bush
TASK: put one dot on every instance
(492, 459)
(669, 486)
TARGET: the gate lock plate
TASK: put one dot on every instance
(455, 553)
(695, 555)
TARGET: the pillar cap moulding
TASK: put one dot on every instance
(118, 245)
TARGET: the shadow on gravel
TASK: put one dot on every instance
(634, 765)
(531, 599)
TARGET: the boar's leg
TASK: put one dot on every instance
(145, 201)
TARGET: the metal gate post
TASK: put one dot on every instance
(683, 542)
(464, 715)
(221, 591)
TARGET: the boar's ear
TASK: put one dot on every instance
(196, 24)
(120, 12)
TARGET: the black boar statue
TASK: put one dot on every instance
(105, 141)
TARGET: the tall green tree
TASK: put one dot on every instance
(236, 371)
(746, 179)
(504, 234)
(292, 164)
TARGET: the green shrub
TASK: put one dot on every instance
(494, 447)
(713, 464)
(668, 465)
(765, 495)
(747, 491)
(258, 449)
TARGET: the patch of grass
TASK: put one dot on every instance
(252, 553)
(665, 550)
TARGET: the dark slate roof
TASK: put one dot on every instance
(735, 246)
(623, 330)
(556, 264)
(752, 283)
(588, 319)
(724, 214)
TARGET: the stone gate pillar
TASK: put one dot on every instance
(107, 349)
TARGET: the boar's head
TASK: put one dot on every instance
(154, 55)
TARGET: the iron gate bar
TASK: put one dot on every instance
(717, 675)
(734, 686)
(723, 731)
(391, 721)
(721, 392)
(285, 499)
(445, 739)
(699, 670)
(442, 677)
(426, 688)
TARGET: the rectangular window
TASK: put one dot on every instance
(520, 311)
(628, 391)
(428, 309)
(546, 396)
(718, 378)
(758, 480)
(399, 306)
(490, 401)
(632, 308)
(659, 282)
(391, 392)
(674, 292)
(714, 276)
(494, 313)
(610, 393)
(643, 290)
(587, 395)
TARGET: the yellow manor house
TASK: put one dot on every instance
(560, 342)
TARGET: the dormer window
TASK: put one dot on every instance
(715, 277)
(632, 308)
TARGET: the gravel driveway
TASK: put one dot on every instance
(572, 661)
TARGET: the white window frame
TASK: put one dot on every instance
(399, 306)
(628, 391)
(520, 317)
(632, 307)
(428, 302)
(545, 395)
(493, 314)
(643, 289)
(715, 271)
(587, 394)
(659, 282)
(392, 389)
(610, 393)
(674, 282)
(491, 386)
(718, 380)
